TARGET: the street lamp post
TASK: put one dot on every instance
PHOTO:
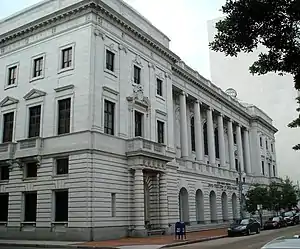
(240, 188)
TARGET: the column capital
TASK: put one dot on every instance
(221, 115)
(198, 101)
(238, 125)
(230, 120)
(210, 108)
(183, 93)
(246, 129)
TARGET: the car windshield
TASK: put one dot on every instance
(244, 222)
(276, 219)
(288, 214)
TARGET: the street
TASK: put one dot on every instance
(255, 241)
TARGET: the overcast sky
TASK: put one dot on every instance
(183, 21)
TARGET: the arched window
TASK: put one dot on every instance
(193, 134)
(205, 138)
(217, 143)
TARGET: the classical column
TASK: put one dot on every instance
(221, 140)
(163, 201)
(240, 146)
(210, 137)
(139, 199)
(198, 131)
(231, 145)
(183, 127)
(247, 151)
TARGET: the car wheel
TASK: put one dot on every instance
(258, 230)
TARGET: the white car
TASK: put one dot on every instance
(284, 243)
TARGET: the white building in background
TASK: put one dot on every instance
(107, 133)
(272, 93)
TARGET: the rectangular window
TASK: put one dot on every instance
(272, 148)
(31, 170)
(30, 200)
(137, 75)
(160, 132)
(4, 173)
(263, 167)
(34, 121)
(64, 112)
(110, 60)
(12, 75)
(159, 87)
(234, 138)
(109, 114)
(8, 127)
(267, 147)
(113, 205)
(237, 164)
(62, 166)
(4, 197)
(38, 64)
(260, 141)
(274, 171)
(61, 206)
(138, 120)
(193, 142)
(66, 58)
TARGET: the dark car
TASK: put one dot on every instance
(291, 217)
(275, 222)
(244, 227)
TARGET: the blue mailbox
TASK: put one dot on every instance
(180, 230)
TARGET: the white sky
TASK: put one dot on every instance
(183, 21)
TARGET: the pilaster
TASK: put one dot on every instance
(211, 137)
(183, 127)
(247, 151)
(163, 201)
(231, 145)
(221, 140)
(198, 131)
(240, 147)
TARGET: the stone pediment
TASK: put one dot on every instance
(34, 93)
(8, 101)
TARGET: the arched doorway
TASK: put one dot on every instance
(184, 205)
(224, 201)
(199, 206)
(234, 206)
(213, 206)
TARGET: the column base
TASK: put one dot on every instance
(139, 233)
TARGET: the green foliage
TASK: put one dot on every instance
(276, 196)
(249, 24)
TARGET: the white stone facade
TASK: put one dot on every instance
(131, 137)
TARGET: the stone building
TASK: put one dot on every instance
(107, 133)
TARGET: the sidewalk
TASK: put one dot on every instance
(154, 242)
(159, 241)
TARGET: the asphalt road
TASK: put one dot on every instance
(255, 241)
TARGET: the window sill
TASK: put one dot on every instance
(61, 176)
(29, 179)
(36, 78)
(110, 72)
(28, 223)
(161, 98)
(59, 223)
(67, 69)
(10, 86)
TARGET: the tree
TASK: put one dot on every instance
(289, 194)
(257, 195)
(268, 23)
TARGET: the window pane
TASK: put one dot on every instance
(109, 113)
(61, 206)
(62, 166)
(30, 207)
(34, 121)
(8, 125)
(31, 170)
(4, 197)
(4, 173)
(64, 116)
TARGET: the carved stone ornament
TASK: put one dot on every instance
(97, 32)
(123, 48)
(168, 76)
(138, 97)
(151, 65)
(138, 60)
(138, 91)
(112, 46)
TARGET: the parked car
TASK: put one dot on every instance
(284, 243)
(244, 227)
(275, 222)
(291, 217)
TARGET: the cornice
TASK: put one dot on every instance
(96, 7)
(186, 75)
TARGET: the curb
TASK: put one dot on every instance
(194, 241)
(74, 246)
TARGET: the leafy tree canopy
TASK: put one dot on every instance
(276, 196)
(272, 24)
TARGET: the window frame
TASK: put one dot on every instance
(56, 166)
(1, 173)
(32, 70)
(159, 121)
(142, 123)
(58, 115)
(29, 117)
(54, 207)
(140, 74)
(8, 67)
(7, 207)
(161, 94)
(110, 52)
(25, 173)
(61, 49)
(113, 117)
(14, 124)
(24, 207)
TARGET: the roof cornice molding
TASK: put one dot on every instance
(186, 75)
(97, 7)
